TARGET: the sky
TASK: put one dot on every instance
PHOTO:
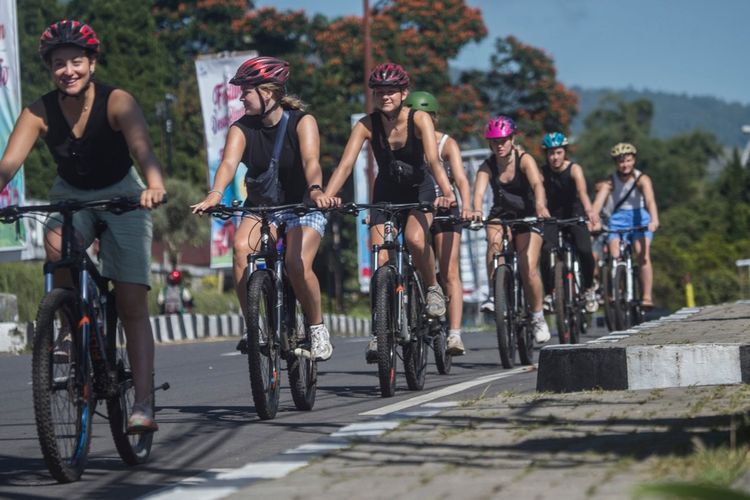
(693, 47)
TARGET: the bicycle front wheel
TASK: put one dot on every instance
(62, 387)
(263, 350)
(415, 350)
(504, 324)
(561, 308)
(608, 294)
(384, 327)
(302, 371)
(623, 319)
(134, 449)
(443, 359)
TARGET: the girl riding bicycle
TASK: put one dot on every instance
(298, 177)
(518, 191)
(91, 130)
(447, 236)
(401, 139)
(631, 193)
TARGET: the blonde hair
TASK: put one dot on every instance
(284, 100)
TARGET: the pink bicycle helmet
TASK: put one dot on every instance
(388, 75)
(260, 70)
(499, 127)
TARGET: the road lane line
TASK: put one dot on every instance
(445, 391)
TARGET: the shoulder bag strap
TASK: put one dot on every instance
(280, 132)
(627, 195)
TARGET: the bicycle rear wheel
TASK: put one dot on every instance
(415, 350)
(302, 371)
(443, 359)
(524, 334)
(384, 327)
(562, 319)
(504, 323)
(263, 348)
(62, 387)
(134, 449)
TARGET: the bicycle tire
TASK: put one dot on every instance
(61, 386)
(133, 449)
(524, 334)
(621, 304)
(443, 359)
(562, 319)
(504, 324)
(415, 350)
(636, 310)
(577, 304)
(609, 297)
(302, 371)
(263, 350)
(383, 287)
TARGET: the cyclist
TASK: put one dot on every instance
(251, 140)
(401, 140)
(631, 194)
(518, 191)
(565, 187)
(175, 298)
(447, 237)
(91, 130)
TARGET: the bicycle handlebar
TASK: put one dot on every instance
(118, 205)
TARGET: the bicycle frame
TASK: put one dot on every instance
(625, 258)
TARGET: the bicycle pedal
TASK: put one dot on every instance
(302, 353)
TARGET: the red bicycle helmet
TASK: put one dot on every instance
(262, 69)
(388, 75)
(68, 32)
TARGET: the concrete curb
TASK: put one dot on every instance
(572, 368)
(14, 337)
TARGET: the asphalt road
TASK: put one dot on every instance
(207, 420)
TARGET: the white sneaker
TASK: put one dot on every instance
(541, 330)
(321, 343)
(488, 305)
(592, 303)
(371, 356)
(454, 345)
(435, 302)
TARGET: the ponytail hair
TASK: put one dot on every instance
(285, 101)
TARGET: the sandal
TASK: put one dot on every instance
(140, 421)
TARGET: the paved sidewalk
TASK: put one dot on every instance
(592, 444)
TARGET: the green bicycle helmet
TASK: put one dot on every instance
(423, 101)
(622, 148)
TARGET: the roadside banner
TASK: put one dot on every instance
(12, 236)
(474, 243)
(362, 195)
(220, 108)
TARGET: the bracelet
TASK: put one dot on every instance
(221, 193)
(314, 187)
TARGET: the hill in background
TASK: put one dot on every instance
(677, 113)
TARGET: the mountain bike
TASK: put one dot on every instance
(621, 282)
(79, 353)
(275, 323)
(398, 299)
(512, 320)
(569, 300)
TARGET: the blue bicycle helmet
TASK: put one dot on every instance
(554, 140)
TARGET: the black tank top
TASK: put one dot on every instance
(259, 141)
(562, 195)
(412, 152)
(515, 197)
(100, 157)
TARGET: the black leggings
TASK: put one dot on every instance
(581, 240)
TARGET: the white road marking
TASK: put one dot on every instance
(445, 391)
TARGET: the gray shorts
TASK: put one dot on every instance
(125, 250)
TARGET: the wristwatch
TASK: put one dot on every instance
(314, 187)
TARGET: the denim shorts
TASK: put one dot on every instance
(315, 220)
(624, 219)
